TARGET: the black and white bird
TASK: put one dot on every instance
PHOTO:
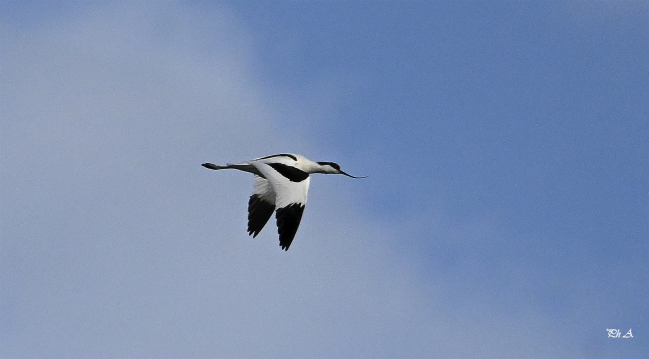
(282, 183)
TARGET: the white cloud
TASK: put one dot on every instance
(116, 243)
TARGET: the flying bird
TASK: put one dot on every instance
(281, 185)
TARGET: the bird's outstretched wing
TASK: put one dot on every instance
(260, 206)
(291, 186)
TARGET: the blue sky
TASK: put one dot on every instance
(505, 213)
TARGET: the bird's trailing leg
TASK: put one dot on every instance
(246, 167)
(212, 166)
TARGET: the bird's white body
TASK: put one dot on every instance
(281, 184)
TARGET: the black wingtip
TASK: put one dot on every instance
(259, 212)
(288, 221)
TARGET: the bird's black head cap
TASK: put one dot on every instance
(332, 164)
